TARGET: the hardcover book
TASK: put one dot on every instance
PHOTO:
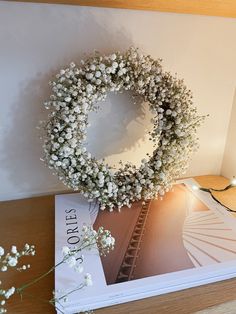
(184, 240)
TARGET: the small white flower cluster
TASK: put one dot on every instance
(70, 256)
(105, 241)
(77, 90)
(100, 240)
(10, 260)
(4, 295)
(89, 239)
(62, 295)
(88, 280)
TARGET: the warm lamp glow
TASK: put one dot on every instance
(233, 182)
(195, 188)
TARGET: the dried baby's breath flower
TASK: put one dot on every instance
(9, 260)
(76, 92)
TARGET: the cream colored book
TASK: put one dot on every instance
(182, 241)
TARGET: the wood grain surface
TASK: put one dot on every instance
(32, 221)
(205, 7)
(225, 308)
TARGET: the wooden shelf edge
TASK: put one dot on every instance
(224, 8)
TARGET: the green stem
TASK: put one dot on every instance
(42, 300)
(66, 295)
(19, 290)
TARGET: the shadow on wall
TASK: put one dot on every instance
(22, 146)
(119, 129)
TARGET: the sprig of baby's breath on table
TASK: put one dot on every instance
(11, 260)
(100, 240)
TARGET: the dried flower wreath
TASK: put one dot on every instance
(76, 92)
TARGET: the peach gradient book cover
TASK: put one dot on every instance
(184, 240)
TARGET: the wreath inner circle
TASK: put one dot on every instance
(119, 130)
(78, 90)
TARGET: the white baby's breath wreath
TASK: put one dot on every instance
(76, 92)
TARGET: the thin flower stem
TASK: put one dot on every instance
(70, 292)
(53, 303)
(19, 290)
(41, 299)
(38, 278)
(33, 296)
(74, 290)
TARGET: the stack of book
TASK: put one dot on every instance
(182, 241)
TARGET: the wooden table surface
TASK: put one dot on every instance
(32, 221)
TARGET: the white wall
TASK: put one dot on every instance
(229, 161)
(37, 39)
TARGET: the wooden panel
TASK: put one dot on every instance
(32, 220)
(29, 221)
(206, 7)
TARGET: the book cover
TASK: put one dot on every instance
(184, 240)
